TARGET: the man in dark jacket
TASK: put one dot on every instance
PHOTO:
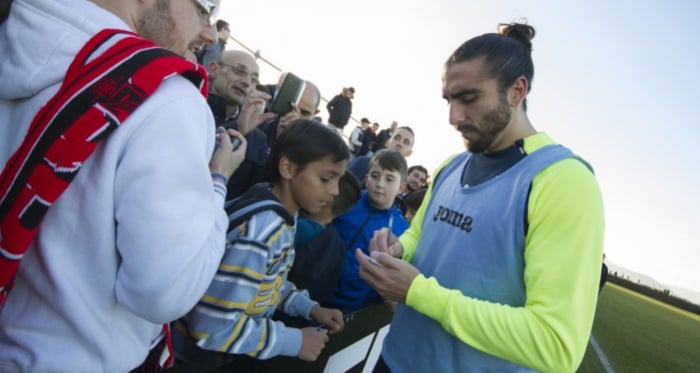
(234, 77)
(340, 108)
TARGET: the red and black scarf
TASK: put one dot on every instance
(98, 94)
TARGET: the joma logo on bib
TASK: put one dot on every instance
(454, 218)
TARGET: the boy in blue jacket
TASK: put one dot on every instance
(376, 209)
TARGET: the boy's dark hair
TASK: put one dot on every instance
(221, 24)
(419, 168)
(305, 141)
(508, 54)
(415, 198)
(348, 194)
(390, 160)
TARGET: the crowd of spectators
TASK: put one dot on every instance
(256, 216)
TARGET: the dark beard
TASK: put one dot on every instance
(492, 125)
(157, 25)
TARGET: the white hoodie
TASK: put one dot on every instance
(136, 238)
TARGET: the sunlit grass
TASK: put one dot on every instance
(639, 334)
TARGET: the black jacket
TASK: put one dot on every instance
(251, 170)
(339, 109)
(381, 139)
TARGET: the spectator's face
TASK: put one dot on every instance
(174, 24)
(402, 142)
(234, 76)
(416, 179)
(308, 102)
(314, 186)
(382, 186)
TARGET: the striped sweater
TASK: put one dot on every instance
(235, 314)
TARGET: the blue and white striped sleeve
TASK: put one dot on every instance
(234, 315)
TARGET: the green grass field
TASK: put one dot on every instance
(639, 334)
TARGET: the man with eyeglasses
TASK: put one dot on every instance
(234, 76)
(237, 105)
(135, 239)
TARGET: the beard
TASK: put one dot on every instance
(492, 125)
(157, 25)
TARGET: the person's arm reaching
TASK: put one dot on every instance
(234, 315)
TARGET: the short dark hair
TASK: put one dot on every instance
(351, 89)
(419, 168)
(305, 141)
(507, 54)
(221, 24)
(390, 160)
(348, 194)
(364, 120)
(414, 199)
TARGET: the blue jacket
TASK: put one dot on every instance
(356, 228)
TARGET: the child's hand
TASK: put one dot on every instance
(287, 118)
(253, 112)
(313, 340)
(330, 318)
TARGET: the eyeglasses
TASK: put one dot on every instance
(207, 10)
(240, 70)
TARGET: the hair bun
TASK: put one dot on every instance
(518, 31)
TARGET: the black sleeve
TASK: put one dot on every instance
(331, 103)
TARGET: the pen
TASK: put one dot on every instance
(391, 226)
(372, 260)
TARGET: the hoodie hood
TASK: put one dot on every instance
(256, 199)
(39, 40)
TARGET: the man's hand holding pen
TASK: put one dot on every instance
(391, 277)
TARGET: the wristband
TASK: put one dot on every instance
(219, 176)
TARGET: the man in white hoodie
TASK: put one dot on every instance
(136, 238)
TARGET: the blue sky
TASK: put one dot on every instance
(613, 81)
